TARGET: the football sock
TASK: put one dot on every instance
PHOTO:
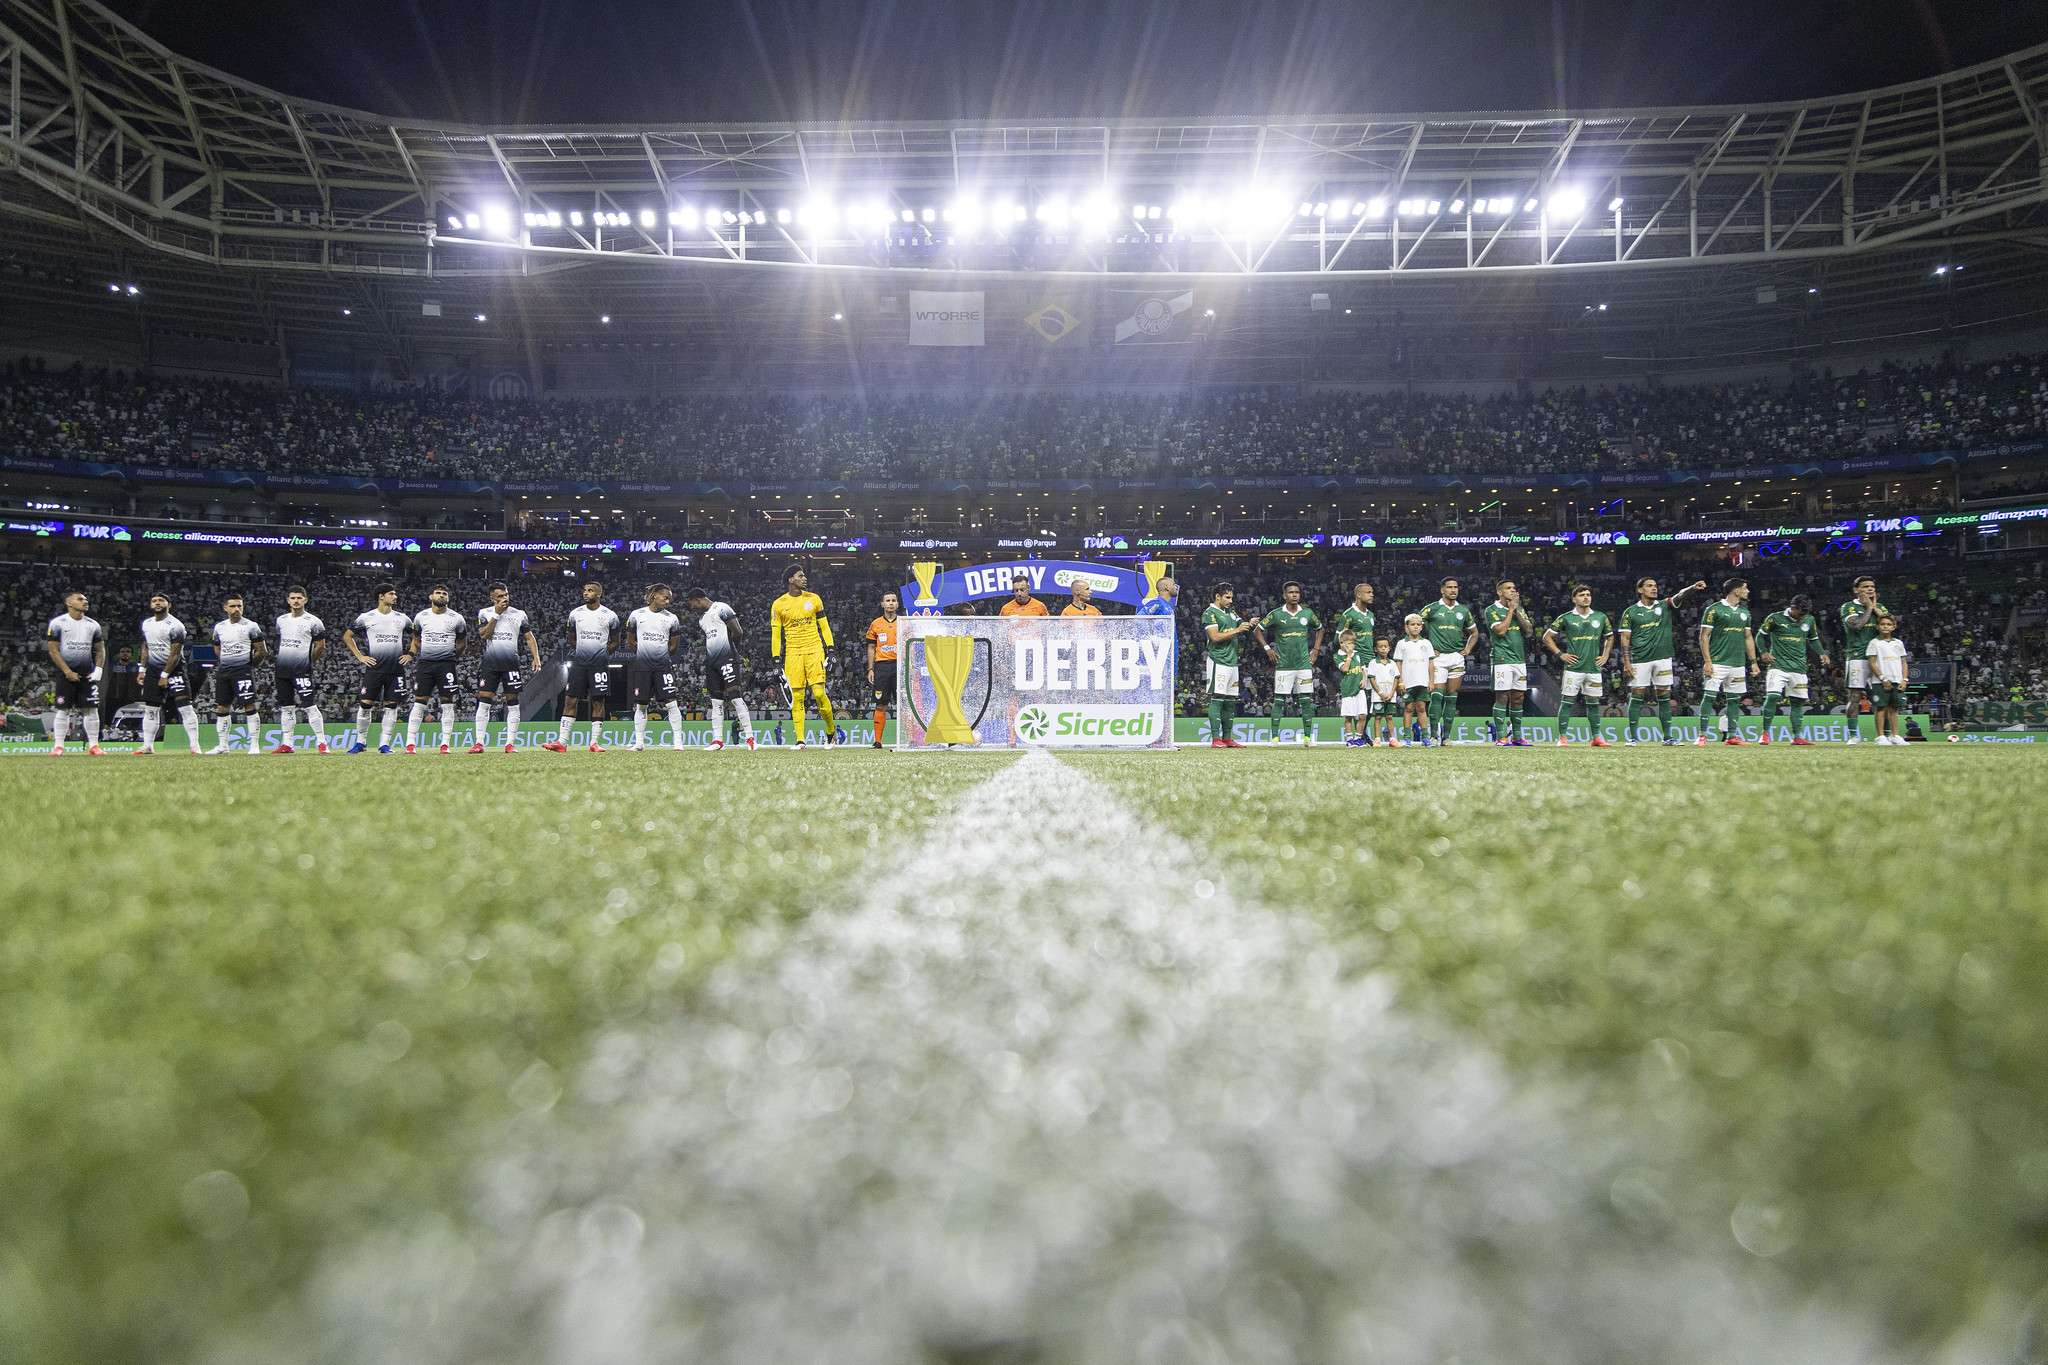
(483, 721)
(1664, 715)
(511, 730)
(1500, 720)
(363, 723)
(92, 727)
(287, 724)
(639, 726)
(796, 714)
(224, 733)
(58, 723)
(412, 724)
(384, 728)
(1635, 715)
(825, 709)
(1434, 710)
(1308, 713)
(317, 723)
(447, 723)
(1707, 700)
(1798, 709)
(1770, 709)
(254, 723)
(675, 724)
(717, 730)
(739, 708)
(1514, 722)
(152, 722)
(1215, 718)
(562, 728)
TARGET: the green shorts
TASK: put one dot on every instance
(1886, 695)
(1416, 694)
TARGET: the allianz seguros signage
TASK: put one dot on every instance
(1041, 681)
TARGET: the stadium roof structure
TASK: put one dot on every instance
(1842, 210)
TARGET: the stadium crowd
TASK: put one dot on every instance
(1970, 618)
(125, 418)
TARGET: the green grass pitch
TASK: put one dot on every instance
(255, 1011)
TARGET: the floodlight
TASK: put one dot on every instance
(113, 288)
(689, 216)
(965, 212)
(1457, 206)
(471, 221)
(1306, 209)
(839, 317)
(782, 216)
(729, 217)
(647, 218)
(1375, 207)
(348, 312)
(133, 290)
(1614, 204)
(605, 318)
(1566, 205)
(929, 215)
(1436, 206)
(498, 220)
(575, 217)
(1322, 210)
(481, 318)
(1152, 210)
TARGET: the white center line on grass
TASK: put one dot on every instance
(1050, 1093)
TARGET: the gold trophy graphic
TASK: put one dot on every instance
(924, 571)
(950, 661)
(1155, 569)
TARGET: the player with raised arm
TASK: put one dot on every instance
(1790, 639)
(1222, 630)
(593, 630)
(1508, 627)
(163, 677)
(1728, 648)
(1296, 638)
(437, 666)
(301, 644)
(1452, 632)
(1859, 627)
(1648, 635)
(78, 649)
(723, 678)
(238, 648)
(798, 636)
(882, 643)
(1581, 639)
(1890, 667)
(380, 640)
(502, 628)
(651, 676)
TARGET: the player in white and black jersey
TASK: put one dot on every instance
(651, 675)
(162, 675)
(237, 649)
(436, 671)
(78, 648)
(381, 641)
(301, 644)
(593, 630)
(502, 628)
(723, 679)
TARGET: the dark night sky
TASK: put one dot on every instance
(589, 61)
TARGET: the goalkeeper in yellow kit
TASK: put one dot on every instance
(799, 635)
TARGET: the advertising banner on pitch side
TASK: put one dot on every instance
(1035, 681)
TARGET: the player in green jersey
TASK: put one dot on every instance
(1221, 629)
(1859, 627)
(1351, 695)
(1452, 632)
(1292, 636)
(1648, 631)
(1357, 618)
(1790, 638)
(1728, 647)
(1508, 627)
(1581, 639)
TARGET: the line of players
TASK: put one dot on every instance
(1420, 674)
(419, 656)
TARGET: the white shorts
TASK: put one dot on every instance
(1447, 666)
(1581, 685)
(1293, 682)
(1511, 677)
(1222, 679)
(1726, 679)
(1791, 684)
(1352, 706)
(1856, 674)
(1654, 673)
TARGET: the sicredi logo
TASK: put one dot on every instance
(1089, 665)
(1100, 582)
(1125, 726)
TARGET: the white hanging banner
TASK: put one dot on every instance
(946, 319)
